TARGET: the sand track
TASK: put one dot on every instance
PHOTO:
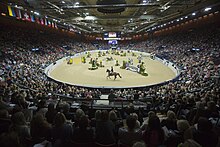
(78, 73)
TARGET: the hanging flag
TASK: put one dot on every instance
(27, 16)
(49, 23)
(18, 13)
(52, 24)
(11, 11)
(42, 21)
(38, 20)
(55, 25)
(45, 21)
(32, 18)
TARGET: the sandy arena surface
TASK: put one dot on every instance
(78, 73)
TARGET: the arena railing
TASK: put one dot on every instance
(117, 103)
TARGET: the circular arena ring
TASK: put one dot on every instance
(72, 70)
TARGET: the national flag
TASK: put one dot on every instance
(32, 18)
(42, 21)
(18, 13)
(38, 20)
(52, 24)
(45, 21)
(55, 25)
(11, 11)
(49, 23)
(27, 16)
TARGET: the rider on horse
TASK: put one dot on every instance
(112, 70)
(110, 73)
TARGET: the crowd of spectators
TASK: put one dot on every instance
(185, 111)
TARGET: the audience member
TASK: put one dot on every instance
(105, 130)
(128, 136)
(84, 133)
(153, 135)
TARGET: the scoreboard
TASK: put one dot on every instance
(112, 36)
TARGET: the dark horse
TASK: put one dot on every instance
(112, 74)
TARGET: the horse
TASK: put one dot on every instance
(109, 58)
(112, 74)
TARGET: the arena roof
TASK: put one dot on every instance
(99, 16)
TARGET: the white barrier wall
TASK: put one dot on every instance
(52, 66)
(171, 65)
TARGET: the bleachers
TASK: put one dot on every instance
(26, 92)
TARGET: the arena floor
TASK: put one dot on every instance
(78, 73)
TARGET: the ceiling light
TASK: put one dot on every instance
(181, 18)
(186, 16)
(63, 2)
(77, 3)
(207, 9)
(193, 14)
(144, 1)
(177, 20)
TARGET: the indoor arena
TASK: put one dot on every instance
(109, 73)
